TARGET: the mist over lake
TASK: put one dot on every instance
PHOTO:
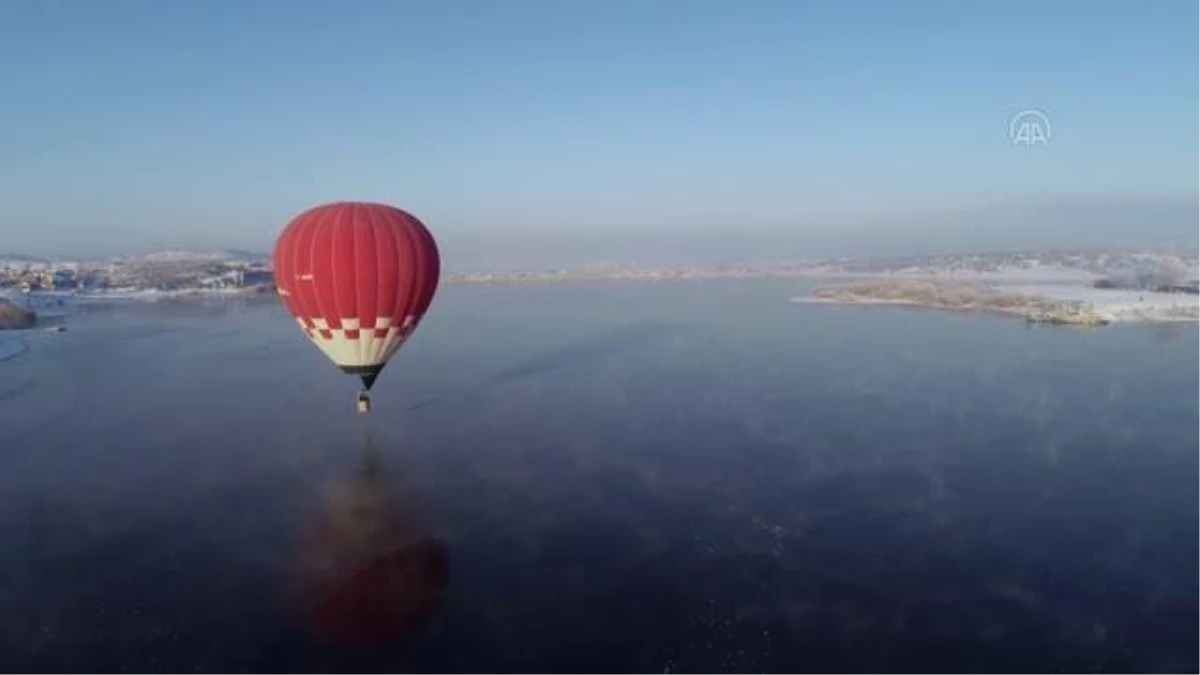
(600, 477)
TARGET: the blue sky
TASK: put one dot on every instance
(132, 125)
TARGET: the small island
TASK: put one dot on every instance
(1050, 304)
(13, 317)
(1078, 288)
(960, 297)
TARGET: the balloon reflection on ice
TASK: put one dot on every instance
(372, 573)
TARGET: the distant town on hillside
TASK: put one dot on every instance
(167, 271)
(184, 272)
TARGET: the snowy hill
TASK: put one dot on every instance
(1021, 266)
(164, 256)
(195, 256)
(15, 260)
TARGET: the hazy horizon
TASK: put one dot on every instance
(1067, 224)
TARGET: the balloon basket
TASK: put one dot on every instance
(364, 402)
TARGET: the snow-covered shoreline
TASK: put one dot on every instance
(38, 299)
(1015, 298)
(1120, 305)
(1040, 275)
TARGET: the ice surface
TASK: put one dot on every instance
(11, 348)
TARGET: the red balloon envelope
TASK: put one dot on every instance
(358, 277)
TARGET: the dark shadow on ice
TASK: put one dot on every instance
(372, 573)
(1168, 333)
(18, 391)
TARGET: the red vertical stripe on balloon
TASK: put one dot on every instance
(420, 268)
(406, 259)
(433, 270)
(322, 270)
(283, 274)
(302, 270)
(344, 263)
(386, 266)
(366, 270)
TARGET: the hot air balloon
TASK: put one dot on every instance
(358, 277)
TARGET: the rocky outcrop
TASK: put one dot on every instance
(12, 316)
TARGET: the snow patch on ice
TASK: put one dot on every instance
(11, 348)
